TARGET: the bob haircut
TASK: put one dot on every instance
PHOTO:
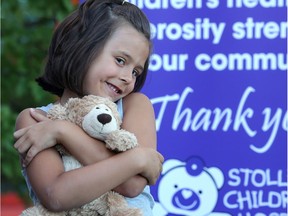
(81, 37)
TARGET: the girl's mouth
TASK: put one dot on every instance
(114, 88)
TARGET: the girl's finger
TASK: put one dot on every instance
(37, 116)
(161, 158)
(21, 145)
(29, 156)
(17, 134)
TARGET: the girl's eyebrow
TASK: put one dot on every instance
(130, 58)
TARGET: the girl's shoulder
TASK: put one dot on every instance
(136, 97)
(24, 119)
(138, 102)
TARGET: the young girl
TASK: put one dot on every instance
(103, 49)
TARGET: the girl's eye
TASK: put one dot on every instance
(120, 61)
(135, 73)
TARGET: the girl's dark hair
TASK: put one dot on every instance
(80, 38)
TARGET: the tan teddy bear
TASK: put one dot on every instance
(99, 118)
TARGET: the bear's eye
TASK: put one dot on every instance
(200, 191)
(175, 186)
(106, 109)
(97, 108)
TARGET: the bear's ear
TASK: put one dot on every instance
(77, 108)
(57, 111)
(217, 176)
(170, 164)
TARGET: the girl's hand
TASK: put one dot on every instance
(153, 167)
(33, 139)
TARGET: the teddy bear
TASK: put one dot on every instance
(100, 119)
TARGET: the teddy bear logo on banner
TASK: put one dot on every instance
(188, 189)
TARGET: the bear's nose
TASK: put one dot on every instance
(104, 118)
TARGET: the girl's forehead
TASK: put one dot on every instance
(127, 31)
(127, 38)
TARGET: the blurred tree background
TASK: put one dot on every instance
(26, 30)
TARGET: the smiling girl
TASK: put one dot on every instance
(103, 49)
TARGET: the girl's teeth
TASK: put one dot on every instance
(113, 88)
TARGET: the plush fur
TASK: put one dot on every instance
(100, 119)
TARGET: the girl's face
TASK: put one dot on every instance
(113, 73)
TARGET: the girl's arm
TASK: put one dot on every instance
(137, 108)
(139, 118)
(59, 190)
(47, 133)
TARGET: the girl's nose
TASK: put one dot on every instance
(126, 76)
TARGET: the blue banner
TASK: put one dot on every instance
(218, 83)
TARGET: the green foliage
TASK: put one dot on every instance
(26, 30)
